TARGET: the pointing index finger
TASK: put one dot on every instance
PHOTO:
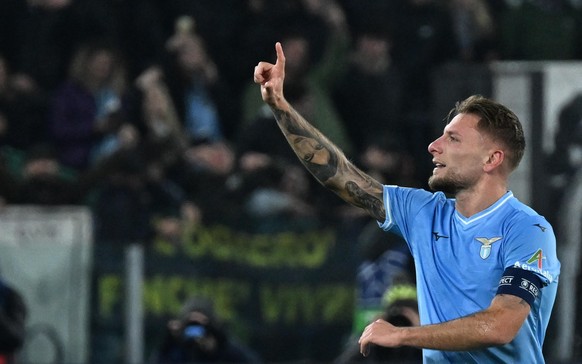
(280, 54)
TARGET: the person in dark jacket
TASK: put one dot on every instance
(12, 322)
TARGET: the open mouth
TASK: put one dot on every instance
(438, 165)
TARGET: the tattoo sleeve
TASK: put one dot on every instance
(329, 165)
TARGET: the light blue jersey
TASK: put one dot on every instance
(460, 261)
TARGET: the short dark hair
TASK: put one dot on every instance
(498, 122)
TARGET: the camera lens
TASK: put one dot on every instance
(194, 331)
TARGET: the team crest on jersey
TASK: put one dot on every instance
(485, 250)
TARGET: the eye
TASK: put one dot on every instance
(453, 138)
(308, 157)
(319, 147)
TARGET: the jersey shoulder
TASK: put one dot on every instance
(523, 215)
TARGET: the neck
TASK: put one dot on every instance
(472, 201)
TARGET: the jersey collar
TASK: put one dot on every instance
(488, 211)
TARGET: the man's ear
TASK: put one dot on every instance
(495, 160)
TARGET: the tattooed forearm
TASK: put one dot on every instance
(281, 116)
(292, 123)
(314, 150)
(363, 199)
(328, 164)
(323, 173)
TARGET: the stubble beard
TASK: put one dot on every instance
(450, 185)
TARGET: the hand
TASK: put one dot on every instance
(380, 333)
(270, 77)
(128, 136)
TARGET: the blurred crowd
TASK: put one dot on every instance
(145, 110)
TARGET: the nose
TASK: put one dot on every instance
(435, 146)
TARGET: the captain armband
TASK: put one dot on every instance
(521, 283)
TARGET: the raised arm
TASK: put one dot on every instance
(323, 159)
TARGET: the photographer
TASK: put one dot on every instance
(197, 336)
(401, 309)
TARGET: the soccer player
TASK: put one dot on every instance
(486, 264)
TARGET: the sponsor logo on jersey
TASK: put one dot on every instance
(525, 266)
(485, 250)
(539, 257)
